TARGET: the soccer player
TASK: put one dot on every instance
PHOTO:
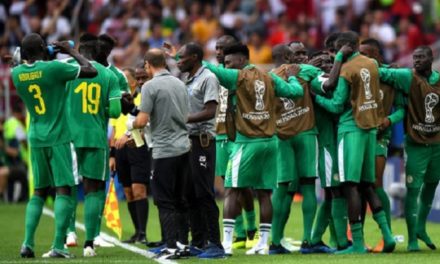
(422, 149)
(333, 210)
(389, 99)
(252, 162)
(356, 97)
(244, 237)
(42, 87)
(203, 89)
(165, 105)
(133, 163)
(91, 102)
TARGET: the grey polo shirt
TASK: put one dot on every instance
(203, 87)
(165, 98)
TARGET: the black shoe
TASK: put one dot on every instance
(169, 253)
(155, 244)
(132, 239)
(142, 238)
(306, 248)
(349, 244)
(26, 252)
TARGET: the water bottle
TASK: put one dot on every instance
(137, 138)
(52, 50)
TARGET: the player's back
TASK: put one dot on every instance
(42, 87)
(88, 107)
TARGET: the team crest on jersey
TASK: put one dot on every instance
(260, 88)
(431, 100)
(365, 76)
(223, 99)
(288, 104)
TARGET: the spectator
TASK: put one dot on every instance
(260, 52)
(54, 25)
(383, 32)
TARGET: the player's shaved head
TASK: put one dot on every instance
(227, 39)
(105, 46)
(156, 58)
(350, 38)
(223, 42)
(33, 47)
(281, 54)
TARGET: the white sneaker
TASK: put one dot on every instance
(71, 240)
(289, 246)
(57, 254)
(89, 252)
(258, 250)
(100, 242)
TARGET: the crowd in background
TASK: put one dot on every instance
(400, 26)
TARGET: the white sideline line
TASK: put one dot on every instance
(115, 241)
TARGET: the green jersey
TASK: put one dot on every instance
(121, 79)
(42, 87)
(89, 105)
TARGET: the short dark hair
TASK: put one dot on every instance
(372, 42)
(156, 58)
(349, 37)
(194, 48)
(32, 45)
(426, 49)
(237, 49)
(88, 44)
(228, 39)
(329, 42)
(319, 53)
(106, 43)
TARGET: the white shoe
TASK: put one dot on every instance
(258, 250)
(57, 254)
(289, 246)
(71, 240)
(100, 242)
(89, 252)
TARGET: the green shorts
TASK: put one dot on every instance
(382, 147)
(222, 152)
(306, 155)
(53, 166)
(421, 164)
(93, 163)
(328, 166)
(356, 156)
(252, 165)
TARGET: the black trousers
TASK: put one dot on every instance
(203, 210)
(168, 187)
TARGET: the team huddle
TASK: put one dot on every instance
(267, 133)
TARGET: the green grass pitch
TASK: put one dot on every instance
(12, 231)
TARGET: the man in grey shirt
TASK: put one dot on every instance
(165, 104)
(203, 88)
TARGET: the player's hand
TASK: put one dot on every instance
(127, 103)
(386, 123)
(120, 143)
(316, 61)
(292, 70)
(346, 51)
(169, 49)
(112, 164)
(64, 46)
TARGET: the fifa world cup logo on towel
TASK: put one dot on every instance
(365, 76)
(431, 100)
(223, 99)
(287, 103)
(260, 88)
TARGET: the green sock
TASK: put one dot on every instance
(426, 197)
(322, 221)
(339, 217)
(358, 237)
(74, 197)
(101, 195)
(381, 220)
(91, 214)
(279, 213)
(34, 209)
(333, 238)
(411, 204)
(309, 205)
(386, 206)
(250, 220)
(63, 212)
(240, 232)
